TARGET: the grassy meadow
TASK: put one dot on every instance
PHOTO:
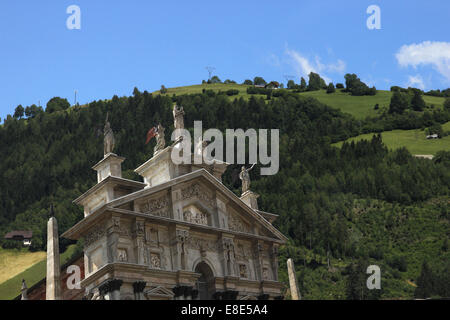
(414, 140)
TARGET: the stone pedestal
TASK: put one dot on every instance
(295, 292)
(110, 165)
(251, 199)
(53, 289)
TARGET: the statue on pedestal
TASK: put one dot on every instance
(178, 117)
(160, 140)
(109, 142)
(245, 177)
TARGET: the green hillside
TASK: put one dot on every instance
(414, 140)
(358, 106)
(358, 205)
(10, 288)
(13, 262)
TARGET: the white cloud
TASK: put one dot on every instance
(434, 53)
(416, 82)
(303, 66)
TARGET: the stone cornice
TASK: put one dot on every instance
(108, 180)
(75, 232)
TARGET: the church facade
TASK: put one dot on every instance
(181, 234)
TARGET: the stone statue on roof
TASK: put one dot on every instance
(160, 140)
(245, 177)
(108, 142)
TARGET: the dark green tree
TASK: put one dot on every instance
(18, 112)
(447, 104)
(399, 102)
(316, 82)
(57, 104)
(331, 88)
(417, 102)
(259, 81)
(302, 84)
(425, 283)
(291, 84)
(248, 82)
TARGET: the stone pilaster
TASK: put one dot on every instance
(53, 288)
(139, 241)
(274, 260)
(179, 247)
(258, 248)
(113, 238)
(138, 288)
(228, 256)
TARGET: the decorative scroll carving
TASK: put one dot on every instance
(157, 207)
(196, 190)
(94, 234)
(202, 244)
(195, 217)
(182, 236)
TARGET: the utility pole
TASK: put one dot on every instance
(210, 71)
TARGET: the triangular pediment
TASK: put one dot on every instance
(201, 194)
(159, 292)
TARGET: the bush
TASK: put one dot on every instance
(330, 88)
(232, 92)
(339, 86)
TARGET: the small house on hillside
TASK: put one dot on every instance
(433, 136)
(272, 85)
(24, 236)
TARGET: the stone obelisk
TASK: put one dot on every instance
(295, 292)
(53, 289)
(24, 290)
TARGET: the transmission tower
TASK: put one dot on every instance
(210, 71)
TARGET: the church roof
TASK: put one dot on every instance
(74, 232)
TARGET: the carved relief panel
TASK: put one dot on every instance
(156, 206)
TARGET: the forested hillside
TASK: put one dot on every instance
(348, 207)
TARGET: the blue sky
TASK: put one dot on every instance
(137, 43)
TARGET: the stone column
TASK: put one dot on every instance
(295, 292)
(138, 288)
(178, 293)
(110, 290)
(53, 288)
(188, 293)
(24, 290)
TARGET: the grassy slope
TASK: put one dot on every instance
(13, 262)
(414, 140)
(36, 272)
(361, 107)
